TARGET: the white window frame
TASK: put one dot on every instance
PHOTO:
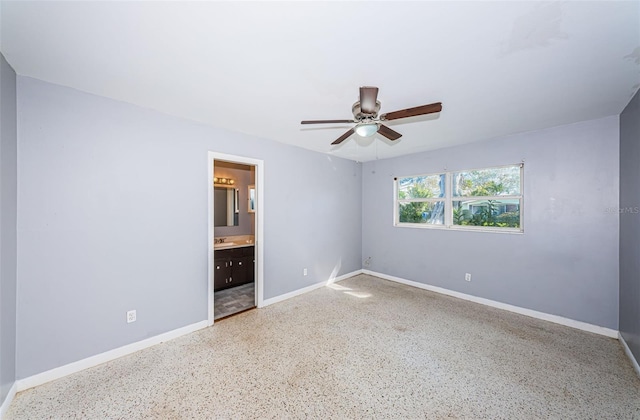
(449, 199)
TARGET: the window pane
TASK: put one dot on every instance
(424, 212)
(489, 213)
(487, 182)
(431, 186)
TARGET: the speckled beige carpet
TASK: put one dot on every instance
(366, 348)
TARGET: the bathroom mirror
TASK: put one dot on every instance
(225, 206)
(252, 199)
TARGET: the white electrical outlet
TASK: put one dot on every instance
(467, 276)
(304, 272)
(131, 316)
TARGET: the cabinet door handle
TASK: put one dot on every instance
(240, 263)
(217, 267)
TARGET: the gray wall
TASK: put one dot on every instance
(113, 217)
(8, 209)
(630, 225)
(566, 262)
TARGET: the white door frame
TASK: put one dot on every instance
(259, 225)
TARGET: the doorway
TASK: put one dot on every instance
(235, 235)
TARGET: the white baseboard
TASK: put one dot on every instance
(7, 401)
(308, 289)
(62, 371)
(511, 308)
(627, 350)
(98, 359)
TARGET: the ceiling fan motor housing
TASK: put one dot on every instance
(358, 115)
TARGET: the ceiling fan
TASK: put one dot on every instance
(367, 120)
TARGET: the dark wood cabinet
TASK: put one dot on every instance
(233, 267)
(251, 266)
(222, 274)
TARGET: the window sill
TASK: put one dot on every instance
(511, 231)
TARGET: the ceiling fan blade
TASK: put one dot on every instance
(368, 98)
(326, 121)
(388, 133)
(412, 112)
(343, 137)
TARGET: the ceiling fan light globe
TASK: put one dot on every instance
(367, 130)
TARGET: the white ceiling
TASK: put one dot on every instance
(262, 67)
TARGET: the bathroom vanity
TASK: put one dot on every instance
(234, 264)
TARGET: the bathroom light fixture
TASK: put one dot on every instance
(226, 181)
(367, 130)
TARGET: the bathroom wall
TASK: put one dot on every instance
(242, 175)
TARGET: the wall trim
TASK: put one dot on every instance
(98, 359)
(74, 367)
(8, 399)
(596, 329)
(332, 279)
(627, 350)
(89, 362)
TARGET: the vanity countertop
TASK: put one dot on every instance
(230, 242)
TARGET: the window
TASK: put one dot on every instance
(421, 199)
(479, 199)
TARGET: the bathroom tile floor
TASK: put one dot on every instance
(230, 301)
